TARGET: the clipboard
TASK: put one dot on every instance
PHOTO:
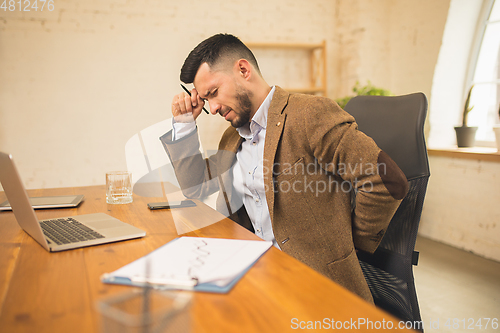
(192, 263)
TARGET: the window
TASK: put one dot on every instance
(485, 97)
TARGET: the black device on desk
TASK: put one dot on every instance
(171, 204)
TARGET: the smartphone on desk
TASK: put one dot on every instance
(171, 204)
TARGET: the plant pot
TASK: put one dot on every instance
(496, 129)
(466, 136)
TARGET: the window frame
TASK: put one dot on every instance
(483, 21)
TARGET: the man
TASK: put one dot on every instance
(287, 167)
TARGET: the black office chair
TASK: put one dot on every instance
(396, 124)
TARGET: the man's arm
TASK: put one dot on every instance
(194, 173)
(183, 148)
(379, 183)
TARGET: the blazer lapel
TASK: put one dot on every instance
(230, 142)
(275, 123)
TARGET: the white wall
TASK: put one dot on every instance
(462, 205)
(392, 43)
(76, 83)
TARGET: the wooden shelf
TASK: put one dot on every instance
(317, 64)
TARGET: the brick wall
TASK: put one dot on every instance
(77, 82)
(461, 206)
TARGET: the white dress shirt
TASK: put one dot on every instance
(248, 176)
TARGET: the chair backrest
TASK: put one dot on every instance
(396, 124)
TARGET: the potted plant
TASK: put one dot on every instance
(466, 136)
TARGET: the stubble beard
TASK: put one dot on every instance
(245, 106)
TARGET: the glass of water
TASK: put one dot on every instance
(118, 187)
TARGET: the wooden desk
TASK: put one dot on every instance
(57, 292)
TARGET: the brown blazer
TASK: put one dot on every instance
(315, 159)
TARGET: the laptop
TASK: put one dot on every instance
(64, 233)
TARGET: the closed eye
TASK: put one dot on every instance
(210, 94)
(213, 93)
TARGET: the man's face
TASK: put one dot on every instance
(225, 95)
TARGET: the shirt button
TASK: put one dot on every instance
(257, 200)
(254, 143)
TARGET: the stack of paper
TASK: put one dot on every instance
(194, 263)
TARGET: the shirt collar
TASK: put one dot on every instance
(259, 119)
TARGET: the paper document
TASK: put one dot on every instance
(204, 264)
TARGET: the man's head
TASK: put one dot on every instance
(225, 72)
(219, 52)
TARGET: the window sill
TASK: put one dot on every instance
(475, 153)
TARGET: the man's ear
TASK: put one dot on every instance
(244, 69)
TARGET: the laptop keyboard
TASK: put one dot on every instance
(68, 230)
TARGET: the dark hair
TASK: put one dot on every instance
(212, 51)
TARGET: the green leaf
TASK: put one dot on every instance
(359, 90)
